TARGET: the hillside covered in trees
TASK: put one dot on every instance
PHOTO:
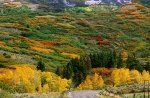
(78, 48)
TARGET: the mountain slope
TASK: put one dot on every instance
(58, 37)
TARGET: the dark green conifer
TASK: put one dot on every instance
(120, 61)
(41, 65)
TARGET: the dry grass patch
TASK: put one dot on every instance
(41, 20)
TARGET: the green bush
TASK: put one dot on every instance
(27, 33)
(5, 94)
(15, 10)
(5, 87)
(20, 89)
(146, 2)
(4, 37)
(6, 55)
(2, 66)
(20, 45)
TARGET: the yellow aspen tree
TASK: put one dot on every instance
(92, 82)
(136, 76)
(85, 85)
(119, 76)
(54, 82)
(145, 75)
(32, 80)
(45, 88)
(97, 81)
(115, 79)
(37, 80)
(124, 75)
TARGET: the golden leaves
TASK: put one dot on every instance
(70, 55)
(33, 80)
(42, 50)
(94, 81)
(125, 76)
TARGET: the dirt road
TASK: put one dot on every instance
(84, 94)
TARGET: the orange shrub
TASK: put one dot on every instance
(147, 18)
(127, 12)
(2, 57)
(14, 41)
(104, 71)
(83, 23)
(138, 16)
(2, 43)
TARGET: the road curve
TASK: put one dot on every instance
(84, 94)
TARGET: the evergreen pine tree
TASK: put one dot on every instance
(110, 62)
(68, 71)
(58, 71)
(86, 61)
(147, 66)
(77, 70)
(120, 61)
(133, 63)
(41, 65)
(114, 59)
(95, 60)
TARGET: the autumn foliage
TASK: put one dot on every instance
(120, 76)
(94, 81)
(42, 50)
(2, 43)
(71, 55)
(103, 71)
(125, 76)
(33, 80)
(115, 77)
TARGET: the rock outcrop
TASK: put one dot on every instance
(12, 4)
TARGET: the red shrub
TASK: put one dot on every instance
(105, 42)
(99, 38)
